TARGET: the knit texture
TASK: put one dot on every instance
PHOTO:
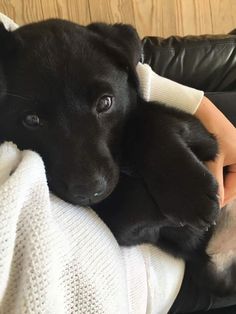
(58, 258)
(55, 257)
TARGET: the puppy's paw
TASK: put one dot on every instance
(194, 202)
(205, 203)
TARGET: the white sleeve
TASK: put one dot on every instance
(157, 88)
(153, 279)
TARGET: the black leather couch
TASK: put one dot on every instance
(207, 63)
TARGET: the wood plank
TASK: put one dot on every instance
(150, 17)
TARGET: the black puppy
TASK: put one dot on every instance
(71, 93)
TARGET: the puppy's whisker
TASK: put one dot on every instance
(18, 96)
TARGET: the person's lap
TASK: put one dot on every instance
(193, 299)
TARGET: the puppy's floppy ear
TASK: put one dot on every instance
(8, 41)
(122, 37)
(121, 41)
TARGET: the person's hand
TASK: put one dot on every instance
(216, 123)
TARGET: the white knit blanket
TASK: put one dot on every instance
(54, 257)
(58, 258)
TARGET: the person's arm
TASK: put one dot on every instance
(156, 88)
(216, 123)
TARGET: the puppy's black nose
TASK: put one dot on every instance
(100, 190)
(88, 194)
(99, 193)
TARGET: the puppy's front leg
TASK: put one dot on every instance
(181, 185)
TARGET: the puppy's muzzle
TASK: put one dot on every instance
(86, 195)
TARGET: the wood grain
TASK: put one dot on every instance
(150, 17)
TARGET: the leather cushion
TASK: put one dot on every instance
(205, 62)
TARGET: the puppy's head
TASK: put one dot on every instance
(66, 92)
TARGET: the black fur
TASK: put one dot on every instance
(168, 198)
(139, 164)
(59, 71)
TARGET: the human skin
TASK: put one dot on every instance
(216, 123)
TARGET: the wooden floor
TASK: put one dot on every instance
(150, 17)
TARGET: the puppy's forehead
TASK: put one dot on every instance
(62, 45)
(60, 58)
(71, 53)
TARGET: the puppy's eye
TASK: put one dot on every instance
(31, 121)
(104, 103)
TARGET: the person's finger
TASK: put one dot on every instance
(216, 168)
(230, 184)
